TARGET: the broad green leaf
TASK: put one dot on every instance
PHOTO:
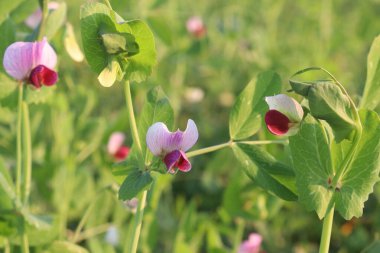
(161, 28)
(371, 92)
(55, 20)
(266, 171)
(156, 108)
(373, 248)
(313, 166)
(138, 67)
(109, 74)
(7, 31)
(95, 18)
(71, 44)
(245, 116)
(131, 164)
(65, 247)
(358, 182)
(6, 7)
(328, 102)
(136, 182)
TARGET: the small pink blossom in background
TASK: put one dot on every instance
(196, 27)
(116, 148)
(35, 18)
(31, 62)
(252, 245)
(171, 146)
(132, 204)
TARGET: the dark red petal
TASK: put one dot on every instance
(122, 153)
(277, 123)
(177, 159)
(42, 75)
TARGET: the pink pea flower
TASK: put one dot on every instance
(35, 18)
(252, 245)
(31, 62)
(171, 146)
(196, 27)
(284, 115)
(116, 148)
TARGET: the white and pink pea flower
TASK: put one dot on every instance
(196, 27)
(35, 18)
(116, 148)
(171, 146)
(284, 115)
(31, 62)
(252, 245)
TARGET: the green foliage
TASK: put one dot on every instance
(314, 167)
(7, 29)
(245, 116)
(371, 91)
(55, 20)
(136, 182)
(266, 171)
(65, 247)
(7, 7)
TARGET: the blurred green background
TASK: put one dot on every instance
(215, 206)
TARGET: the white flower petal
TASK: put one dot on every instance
(190, 136)
(156, 138)
(286, 105)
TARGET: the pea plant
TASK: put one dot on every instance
(332, 143)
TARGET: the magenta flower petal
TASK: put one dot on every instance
(287, 106)
(252, 245)
(20, 58)
(115, 142)
(42, 75)
(190, 136)
(277, 123)
(122, 153)
(177, 159)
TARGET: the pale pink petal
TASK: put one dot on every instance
(44, 54)
(115, 141)
(252, 245)
(190, 136)
(156, 138)
(18, 60)
(194, 24)
(286, 105)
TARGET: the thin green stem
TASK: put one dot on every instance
(131, 115)
(208, 149)
(24, 242)
(91, 232)
(326, 231)
(239, 234)
(27, 151)
(7, 247)
(19, 147)
(107, 2)
(132, 246)
(45, 12)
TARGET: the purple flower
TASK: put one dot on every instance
(171, 146)
(284, 115)
(252, 245)
(31, 62)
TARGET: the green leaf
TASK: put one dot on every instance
(40, 95)
(7, 85)
(7, 31)
(161, 28)
(120, 43)
(373, 248)
(6, 7)
(157, 108)
(136, 182)
(328, 102)
(358, 182)
(266, 171)
(95, 18)
(65, 247)
(371, 92)
(245, 116)
(55, 20)
(138, 67)
(313, 166)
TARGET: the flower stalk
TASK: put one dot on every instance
(326, 232)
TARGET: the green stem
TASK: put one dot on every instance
(107, 2)
(208, 149)
(91, 232)
(27, 151)
(24, 242)
(45, 12)
(135, 233)
(131, 115)
(19, 147)
(239, 234)
(326, 232)
(132, 246)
